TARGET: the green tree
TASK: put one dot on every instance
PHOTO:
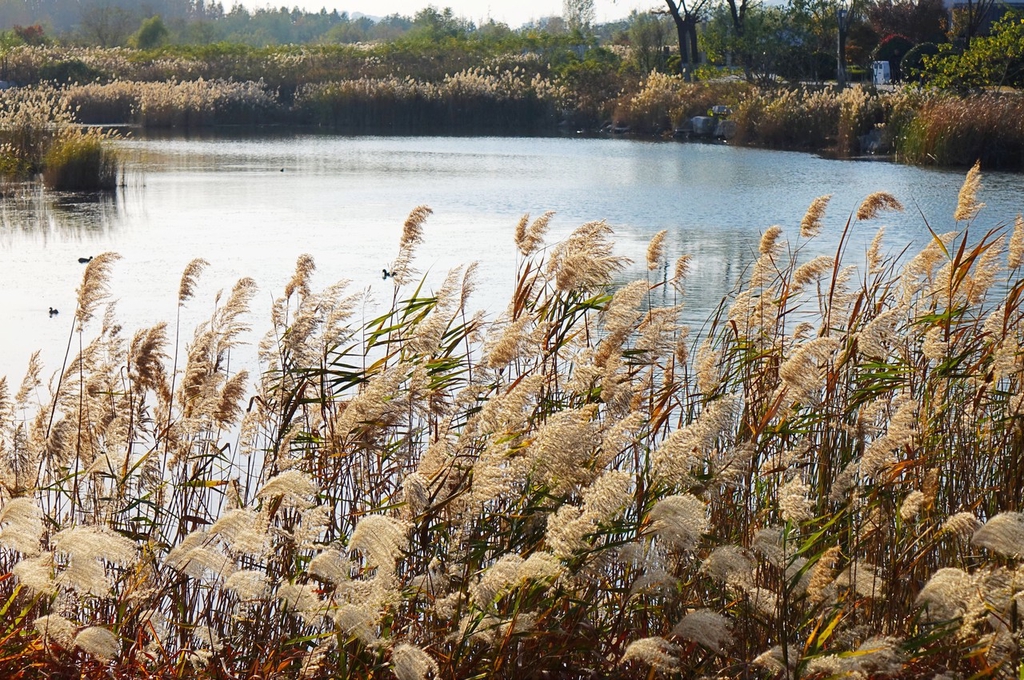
(919, 20)
(438, 26)
(106, 25)
(991, 61)
(578, 14)
(151, 34)
(738, 17)
(794, 43)
(647, 37)
(686, 15)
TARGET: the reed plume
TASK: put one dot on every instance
(529, 238)
(655, 250)
(967, 205)
(877, 203)
(95, 286)
(810, 225)
(412, 235)
(189, 278)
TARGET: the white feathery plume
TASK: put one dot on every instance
(380, 539)
(656, 652)
(55, 628)
(946, 594)
(302, 598)
(331, 566)
(680, 520)
(294, 487)
(1003, 534)
(412, 663)
(99, 642)
(248, 584)
(36, 574)
(21, 525)
(707, 628)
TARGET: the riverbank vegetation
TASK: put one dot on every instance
(823, 481)
(38, 134)
(439, 73)
(525, 95)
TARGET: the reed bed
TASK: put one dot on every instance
(472, 88)
(282, 67)
(477, 100)
(38, 134)
(951, 130)
(808, 118)
(32, 64)
(186, 104)
(80, 161)
(824, 482)
(917, 126)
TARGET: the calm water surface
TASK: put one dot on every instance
(251, 206)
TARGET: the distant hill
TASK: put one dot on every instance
(359, 15)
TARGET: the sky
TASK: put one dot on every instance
(512, 12)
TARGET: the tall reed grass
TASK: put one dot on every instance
(283, 68)
(186, 104)
(950, 130)
(80, 161)
(662, 102)
(808, 118)
(823, 482)
(917, 126)
(38, 134)
(468, 101)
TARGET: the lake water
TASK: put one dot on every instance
(252, 205)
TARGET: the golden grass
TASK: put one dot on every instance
(951, 130)
(830, 486)
(38, 134)
(80, 161)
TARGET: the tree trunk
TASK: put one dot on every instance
(677, 19)
(692, 30)
(686, 34)
(739, 15)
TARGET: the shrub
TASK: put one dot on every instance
(912, 65)
(151, 34)
(68, 72)
(665, 101)
(996, 60)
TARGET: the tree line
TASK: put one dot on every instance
(798, 41)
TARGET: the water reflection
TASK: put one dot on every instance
(252, 205)
(30, 210)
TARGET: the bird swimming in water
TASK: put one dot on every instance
(386, 274)
(53, 312)
(85, 260)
